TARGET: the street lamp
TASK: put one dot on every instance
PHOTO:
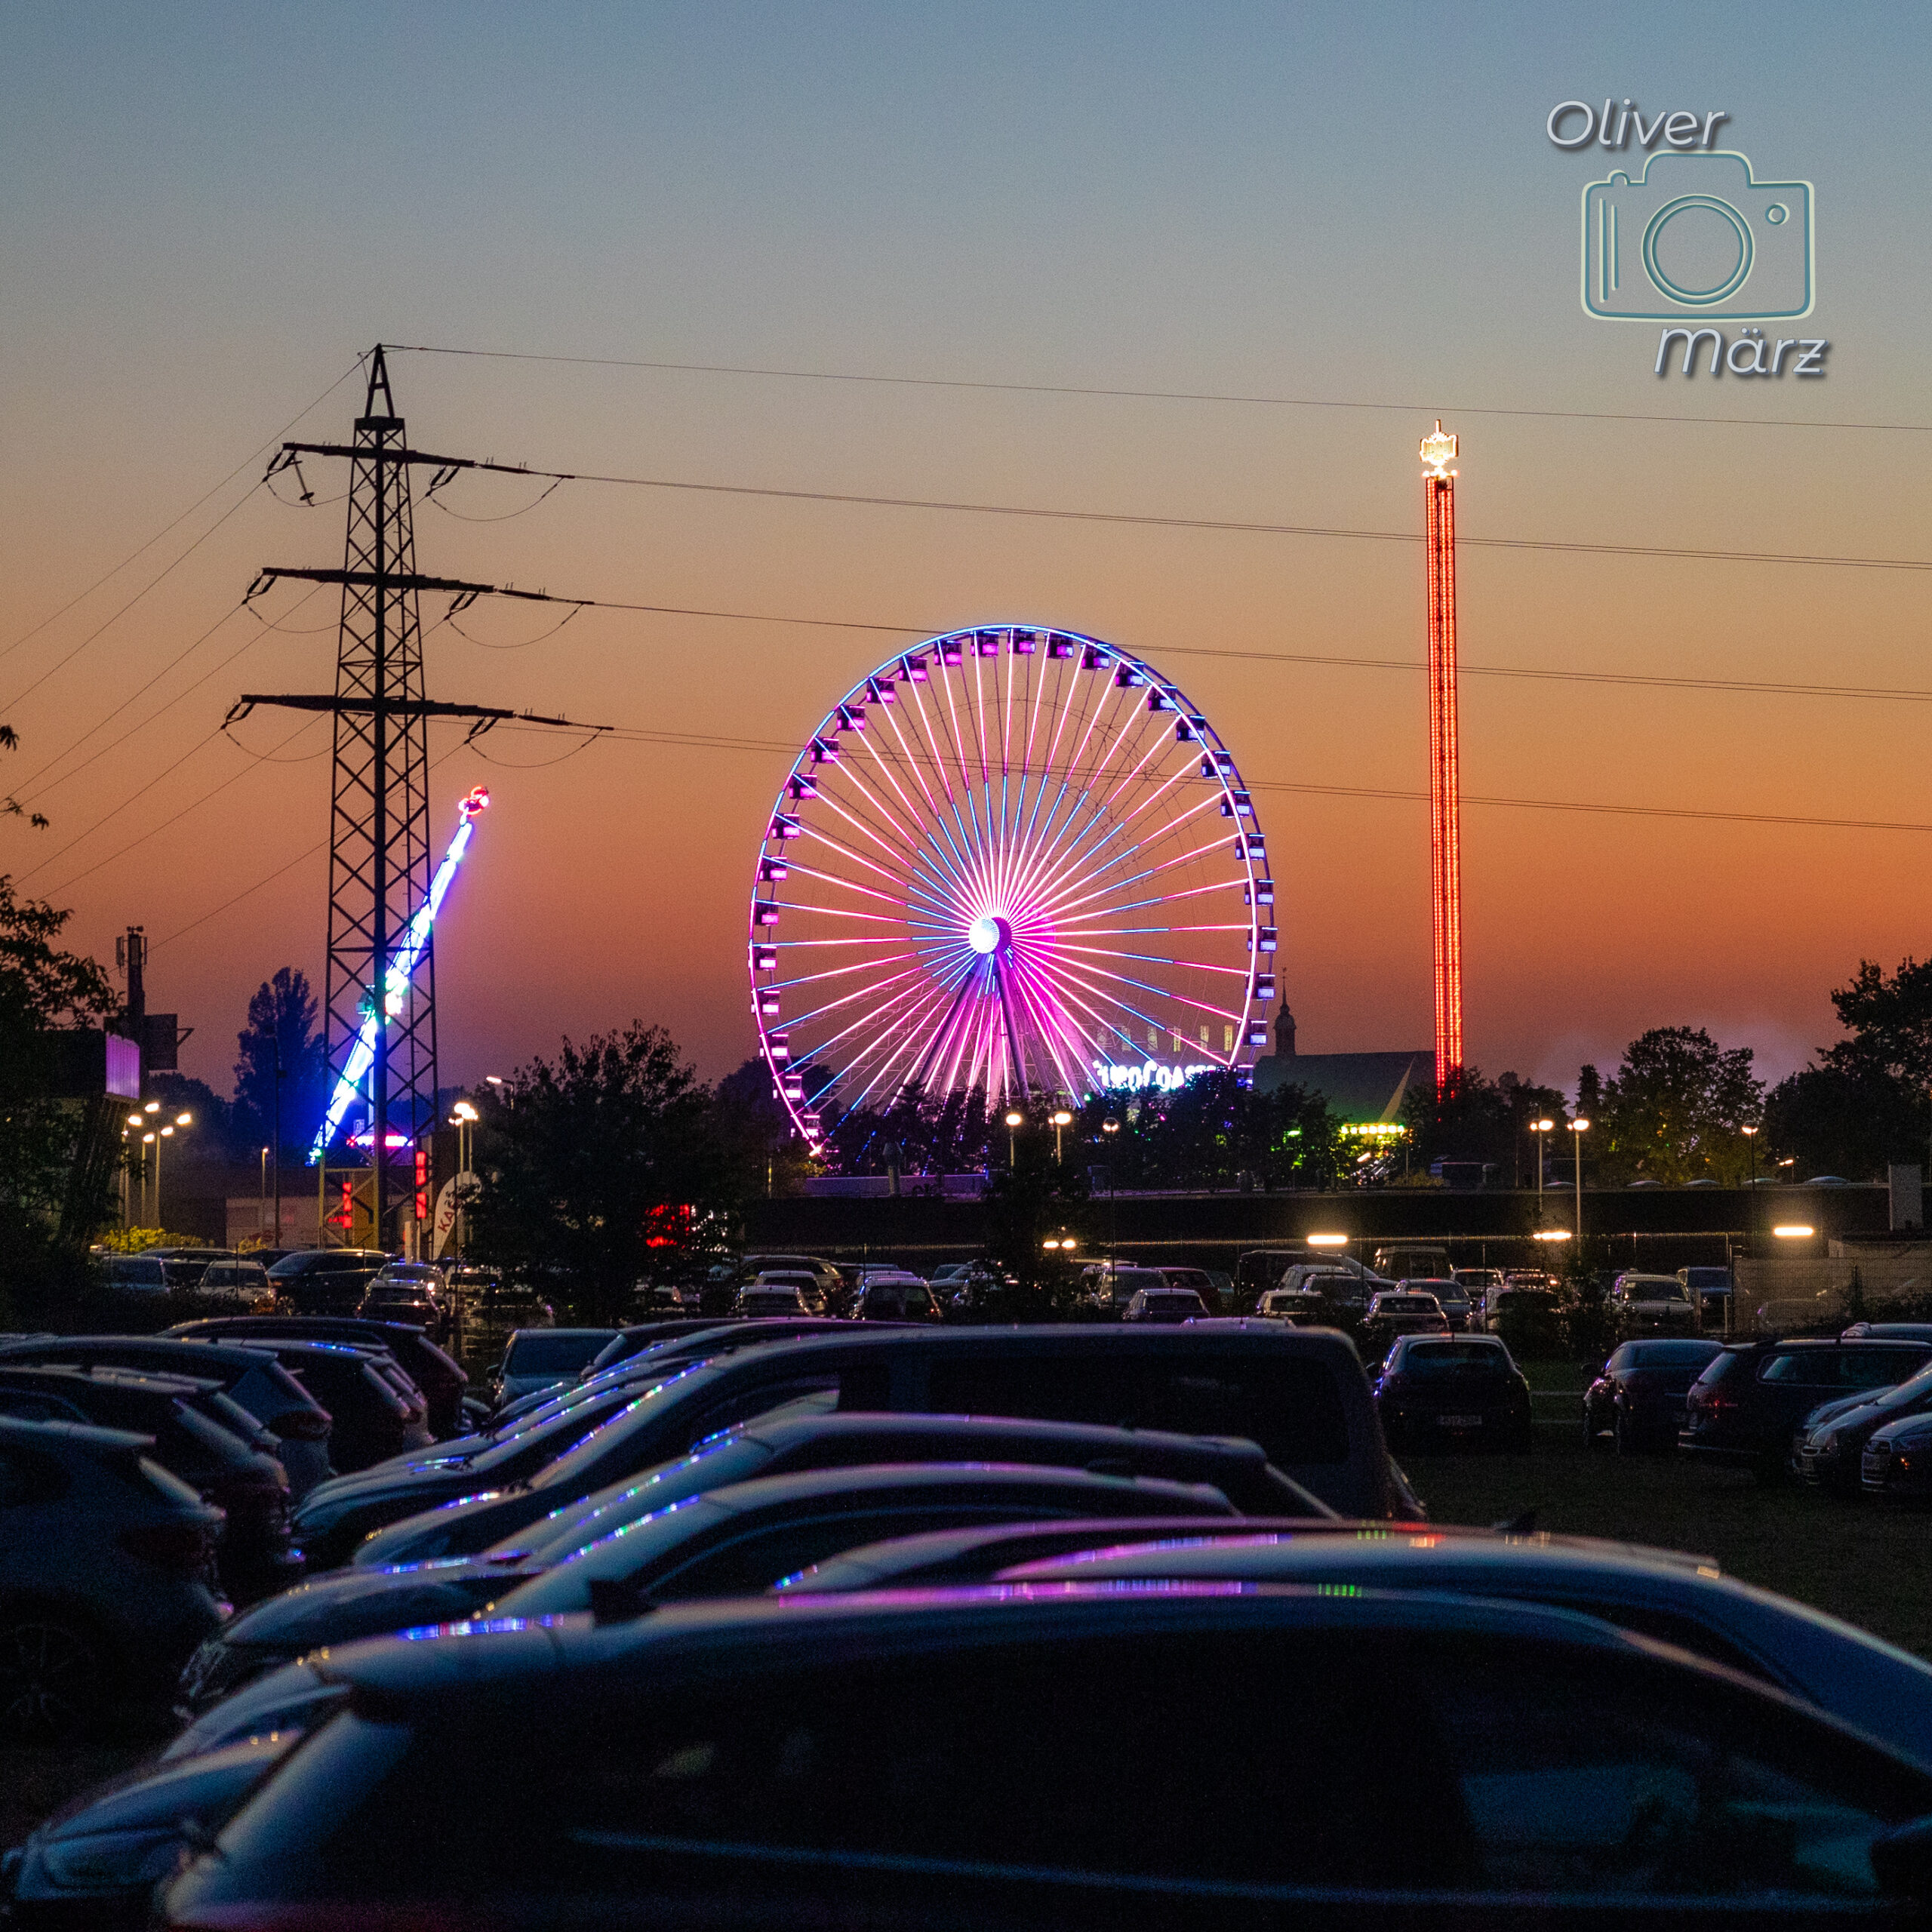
(149, 1140)
(1541, 1127)
(1578, 1128)
(1061, 1120)
(1015, 1120)
(1750, 1140)
(463, 1119)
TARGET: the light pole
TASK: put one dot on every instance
(1111, 1127)
(1015, 1121)
(262, 1213)
(1541, 1127)
(126, 1168)
(1751, 1141)
(1061, 1120)
(1578, 1128)
(464, 1118)
(149, 1140)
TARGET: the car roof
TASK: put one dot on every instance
(233, 1356)
(107, 1375)
(722, 1640)
(56, 1435)
(1101, 1437)
(855, 1482)
(875, 1564)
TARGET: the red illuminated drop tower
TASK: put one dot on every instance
(1445, 789)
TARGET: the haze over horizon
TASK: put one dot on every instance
(214, 213)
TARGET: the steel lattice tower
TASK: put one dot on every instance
(1445, 788)
(379, 824)
(379, 820)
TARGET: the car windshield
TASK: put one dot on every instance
(551, 1354)
(1665, 1354)
(1908, 1394)
(1447, 1357)
(1656, 1291)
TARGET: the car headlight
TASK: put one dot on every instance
(1826, 1445)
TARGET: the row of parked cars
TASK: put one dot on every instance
(1850, 1414)
(785, 1621)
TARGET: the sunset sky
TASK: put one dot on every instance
(211, 211)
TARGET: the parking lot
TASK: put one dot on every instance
(1871, 1565)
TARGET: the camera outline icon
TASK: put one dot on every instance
(1624, 221)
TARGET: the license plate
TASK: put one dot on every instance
(1459, 1421)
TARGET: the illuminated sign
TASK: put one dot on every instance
(1150, 1076)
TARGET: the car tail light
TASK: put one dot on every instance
(186, 1549)
(303, 1425)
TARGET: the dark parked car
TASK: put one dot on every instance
(897, 1301)
(540, 1358)
(1897, 1462)
(324, 1281)
(743, 1514)
(95, 1863)
(107, 1576)
(335, 1515)
(1299, 1393)
(212, 1443)
(1845, 1672)
(962, 1760)
(1638, 1400)
(1829, 1448)
(1393, 1312)
(1454, 1391)
(301, 1425)
(377, 1411)
(805, 1436)
(1164, 1304)
(1744, 1406)
(438, 1375)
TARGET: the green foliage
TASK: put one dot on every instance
(766, 1154)
(1032, 1197)
(1215, 1132)
(57, 1156)
(1865, 1103)
(284, 1030)
(1675, 1109)
(601, 1169)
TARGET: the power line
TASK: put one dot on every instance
(269, 878)
(175, 818)
(1761, 686)
(1235, 526)
(1146, 395)
(248, 462)
(636, 734)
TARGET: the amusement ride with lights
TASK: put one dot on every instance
(1012, 859)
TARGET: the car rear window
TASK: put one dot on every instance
(1291, 1407)
(1665, 1354)
(1444, 1357)
(552, 1355)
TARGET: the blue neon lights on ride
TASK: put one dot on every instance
(403, 963)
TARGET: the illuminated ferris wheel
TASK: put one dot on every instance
(1014, 859)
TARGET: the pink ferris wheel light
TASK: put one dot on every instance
(1014, 859)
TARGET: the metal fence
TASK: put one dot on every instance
(1821, 1295)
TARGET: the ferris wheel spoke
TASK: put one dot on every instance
(936, 759)
(838, 884)
(911, 994)
(1049, 1019)
(969, 839)
(912, 975)
(965, 770)
(1061, 900)
(1099, 858)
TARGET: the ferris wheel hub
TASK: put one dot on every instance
(989, 933)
